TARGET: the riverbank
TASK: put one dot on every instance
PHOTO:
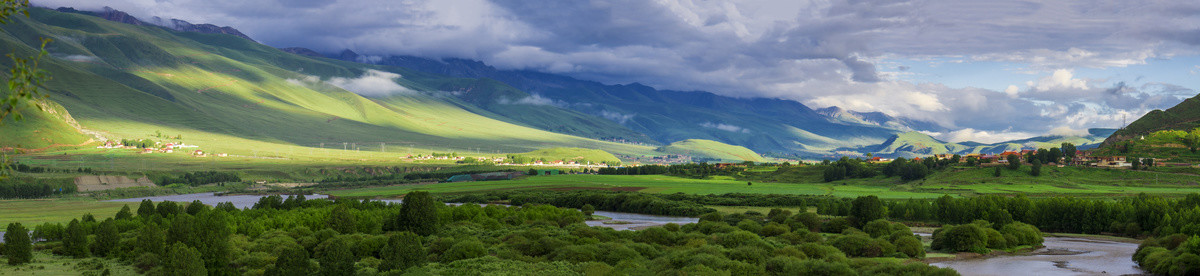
(1059, 255)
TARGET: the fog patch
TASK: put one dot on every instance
(725, 127)
(618, 117)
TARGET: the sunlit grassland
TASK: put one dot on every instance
(54, 265)
(33, 212)
(1082, 182)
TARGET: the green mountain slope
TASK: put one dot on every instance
(1183, 116)
(231, 94)
(711, 150)
(49, 126)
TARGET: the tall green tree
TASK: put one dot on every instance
(342, 220)
(1035, 169)
(107, 238)
(146, 209)
(418, 213)
(1068, 151)
(292, 261)
(124, 213)
(75, 242)
(1014, 161)
(183, 260)
(1135, 163)
(212, 229)
(403, 250)
(151, 239)
(865, 209)
(337, 259)
(18, 247)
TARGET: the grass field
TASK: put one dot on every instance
(1084, 182)
(54, 265)
(712, 149)
(33, 212)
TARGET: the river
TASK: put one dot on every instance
(620, 221)
(1061, 256)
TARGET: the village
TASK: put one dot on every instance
(1082, 158)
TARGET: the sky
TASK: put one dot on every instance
(986, 70)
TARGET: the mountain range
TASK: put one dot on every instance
(124, 77)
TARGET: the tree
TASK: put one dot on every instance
(588, 210)
(1068, 151)
(18, 247)
(1035, 169)
(337, 259)
(150, 239)
(997, 173)
(183, 260)
(1192, 140)
(75, 241)
(1055, 156)
(107, 238)
(341, 220)
(292, 260)
(403, 250)
(1014, 162)
(418, 213)
(125, 213)
(1134, 163)
(865, 209)
(146, 209)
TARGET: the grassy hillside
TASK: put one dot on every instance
(1183, 116)
(711, 149)
(573, 154)
(232, 95)
(38, 129)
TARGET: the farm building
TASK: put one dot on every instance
(548, 172)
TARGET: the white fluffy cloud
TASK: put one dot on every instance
(982, 136)
(725, 127)
(372, 83)
(534, 99)
(618, 117)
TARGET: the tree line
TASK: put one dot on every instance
(296, 236)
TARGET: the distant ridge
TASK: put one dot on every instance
(1183, 116)
(111, 14)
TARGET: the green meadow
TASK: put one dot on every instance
(1072, 181)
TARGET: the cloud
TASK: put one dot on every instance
(81, 58)
(533, 99)
(371, 83)
(981, 136)
(1067, 131)
(618, 117)
(725, 127)
(1061, 79)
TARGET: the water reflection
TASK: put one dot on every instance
(620, 221)
(1061, 256)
